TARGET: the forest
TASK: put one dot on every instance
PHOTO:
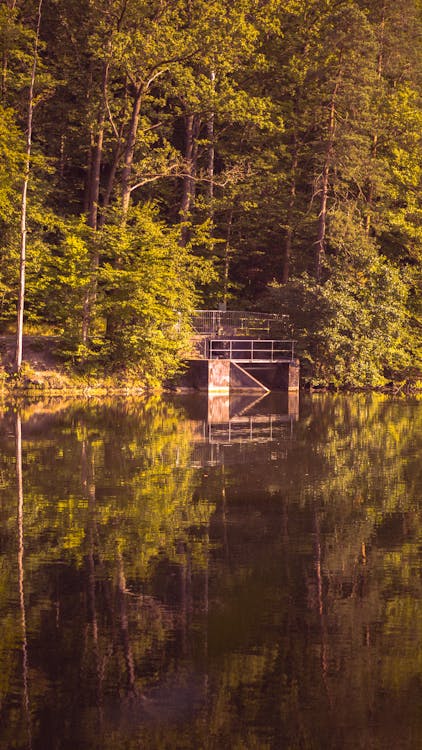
(158, 156)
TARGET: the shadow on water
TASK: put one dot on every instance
(193, 573)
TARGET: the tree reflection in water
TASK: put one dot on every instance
(152, 596)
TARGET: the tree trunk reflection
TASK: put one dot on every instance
(21, 575)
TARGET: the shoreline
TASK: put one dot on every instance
(107, 387)
(43, 375)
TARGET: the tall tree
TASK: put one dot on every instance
(27, 172)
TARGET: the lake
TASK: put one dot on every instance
(183, 573)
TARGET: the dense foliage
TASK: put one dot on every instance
(262, 152)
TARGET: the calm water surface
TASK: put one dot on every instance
(182, 574)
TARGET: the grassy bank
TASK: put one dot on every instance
(44, 371)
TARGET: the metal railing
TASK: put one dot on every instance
(250, 350)
(249, 429)
(235, 323)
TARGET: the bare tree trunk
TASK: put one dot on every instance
(322, 222)
(11, 4)
(62, 156)
(116, 160)
(192, 127)
(211, 148)
(227, 250)
(4, 65)
(186, 195)
(211, 167)
(130, 150)
(374, 146)
(94, 186)
(92, 212)
(88, 171)
(285, 271)
(110, 183)
(91, 144)
(211, 160)
(23, 233)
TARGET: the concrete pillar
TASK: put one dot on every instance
(293, 376)
(218, 376)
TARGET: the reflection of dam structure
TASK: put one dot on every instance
(234, 425)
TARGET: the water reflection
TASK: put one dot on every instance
(184, 574)
(21, 575)
(226, 429)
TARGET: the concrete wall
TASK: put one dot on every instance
(283, 376)
(242, 380)
(222, 375)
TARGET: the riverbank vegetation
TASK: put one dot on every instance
(262, 154)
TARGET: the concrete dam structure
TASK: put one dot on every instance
(240, 351)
